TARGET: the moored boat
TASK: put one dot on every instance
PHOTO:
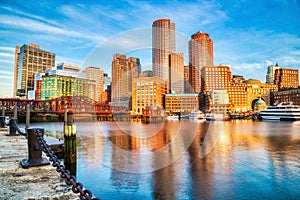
(196, 114)
(283, 111)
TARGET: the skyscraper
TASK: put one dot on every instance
(200, 54)
(163, 43)
(270, 77)
(176, 77)
(96, 74)
(29, 60)
(123, 71)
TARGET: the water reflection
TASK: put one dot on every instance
(251, 160)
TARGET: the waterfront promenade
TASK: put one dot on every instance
(32, 183)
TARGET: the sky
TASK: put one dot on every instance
(249, 35)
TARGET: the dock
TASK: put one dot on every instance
(35, 183)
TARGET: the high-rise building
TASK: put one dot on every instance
(184, 103)
(286, 78)
(270, 77)
(123, 71)
(176, 80)
(96, 74)
(163, 43)
(201, 54)
(148, 91)
(29, 60)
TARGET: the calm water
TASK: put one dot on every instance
(188, 160)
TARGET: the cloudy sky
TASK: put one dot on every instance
(249, 35)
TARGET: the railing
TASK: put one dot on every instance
(37, 144)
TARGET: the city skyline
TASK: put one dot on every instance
(248, 35)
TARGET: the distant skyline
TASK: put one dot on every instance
(249, 35)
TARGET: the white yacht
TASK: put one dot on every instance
(196, 114)
(172, 117)
(282, 111)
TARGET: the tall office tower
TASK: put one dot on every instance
(270, 77)
(96, 74)
(123, 71)
(286, 78)
(201, 54)
(29, 60)
(176, 70)
(163, 43)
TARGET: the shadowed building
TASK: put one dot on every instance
(29, 60)
(96, 74)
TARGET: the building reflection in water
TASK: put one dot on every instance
(250, 160)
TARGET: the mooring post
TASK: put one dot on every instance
(27, 116)
(69, 127)
(16, 111)
(34, 149)
(12, 127)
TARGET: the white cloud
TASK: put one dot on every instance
(4, 48)
(2, 54)
(33, 25)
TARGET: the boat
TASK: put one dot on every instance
(284, 111)
(172, 117)
(196, 114)
(216, 117)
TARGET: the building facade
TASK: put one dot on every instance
(148, 91)
(176, 81)
(286, 78)
(29, 60)
(163, 43)
(54, 86)
(183, 103)
(123, 71)
(96, 74)
(291, 95)
(200, 54)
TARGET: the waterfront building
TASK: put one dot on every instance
(219, 102)
(148, 91)
(176, 80)
(183, 103)
(123, 71)
(54, 86)
(200, 54)
(96, 74)
(242, 94)
(291, 95)
(29, 60)
(270, 77)
(286, 78)
(163, 43)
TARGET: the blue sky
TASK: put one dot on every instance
(249, 35)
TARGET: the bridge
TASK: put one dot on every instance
(74, 104)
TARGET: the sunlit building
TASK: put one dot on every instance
(96, 74)
(29, 60)
(183, 103)
(176, 81)
(148, 91)
(124, 70)
(200, 54)
(163, 43)
(286, 78)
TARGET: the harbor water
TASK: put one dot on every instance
(237, 159)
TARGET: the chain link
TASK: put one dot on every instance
(77, 187)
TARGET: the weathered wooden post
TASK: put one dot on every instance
(12, 127)
(70, 157)
(34, 149)
(16, 111)
(27, 116)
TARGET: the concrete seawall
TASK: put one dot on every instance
(42, 183)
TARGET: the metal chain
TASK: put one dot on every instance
(77, 187)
